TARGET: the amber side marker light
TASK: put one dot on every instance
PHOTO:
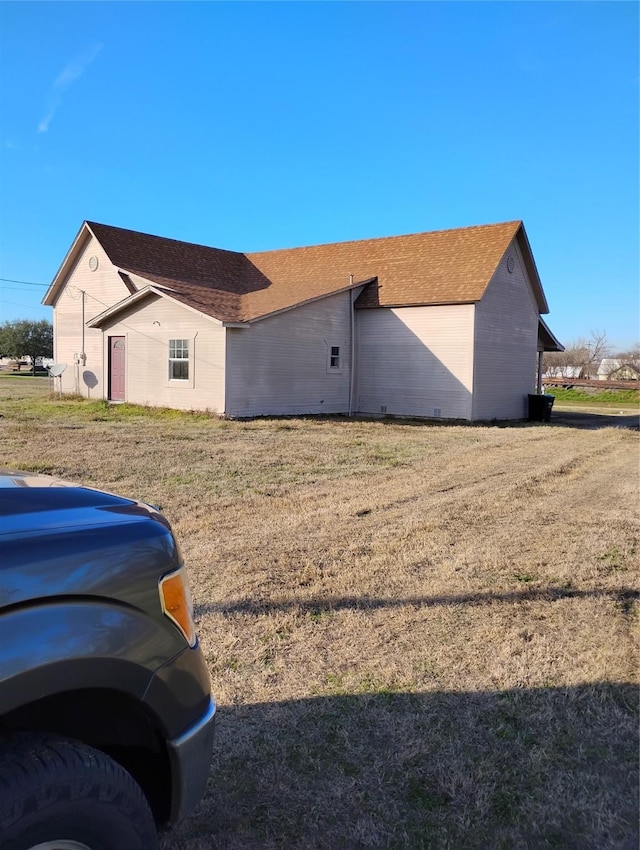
(175, 597)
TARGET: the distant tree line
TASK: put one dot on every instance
(582, 357)
(26, 338)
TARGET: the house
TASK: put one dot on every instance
(614, 369)
(440, 324)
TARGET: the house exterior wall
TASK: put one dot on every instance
(618, 370)
(102, 288)
(415, 361)
(148, 327)
(281, 364)
(506, 341)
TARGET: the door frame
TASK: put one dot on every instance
(110, 341)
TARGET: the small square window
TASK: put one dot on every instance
(334, 359)
(178, 359)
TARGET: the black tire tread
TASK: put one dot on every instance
(40, 771)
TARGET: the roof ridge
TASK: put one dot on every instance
(514, 222)
(92, 224)
(379, 239)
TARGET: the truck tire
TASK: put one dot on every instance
(58, 790)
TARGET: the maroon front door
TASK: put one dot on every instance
(117, 360)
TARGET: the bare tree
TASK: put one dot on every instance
(597, 348)
(629, 355)
(580, 359)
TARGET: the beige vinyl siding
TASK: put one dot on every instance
(415, 361)
(505, 343)
(102, 288)
(148, 327)
(280, 365)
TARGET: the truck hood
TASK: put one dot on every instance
(59, 539)
(35, 503)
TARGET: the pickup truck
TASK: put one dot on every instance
(106, 715)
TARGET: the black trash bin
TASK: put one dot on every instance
(540, 407)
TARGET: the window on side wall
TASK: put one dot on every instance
(178, 359)
(334, 359)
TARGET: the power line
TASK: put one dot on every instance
(14, 289)
(26, 306)
(25, 282)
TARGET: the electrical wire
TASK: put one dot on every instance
(28, 306)
(14, 289)
(25, 282)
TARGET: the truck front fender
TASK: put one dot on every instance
(69, 644)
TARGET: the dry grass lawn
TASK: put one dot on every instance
(419, 635)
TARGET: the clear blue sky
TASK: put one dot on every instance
(255, 126)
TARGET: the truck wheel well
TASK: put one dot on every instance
(110, 721)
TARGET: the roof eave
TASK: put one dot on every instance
(552, 344)
(71, 256)
(532, 270)
(127, 302)
(401, 305)
(141, 295)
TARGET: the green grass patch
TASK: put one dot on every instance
(41, 406)
(615, 397)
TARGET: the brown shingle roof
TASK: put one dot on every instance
(209, 279)
(440, 267)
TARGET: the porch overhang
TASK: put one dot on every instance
(546, 340)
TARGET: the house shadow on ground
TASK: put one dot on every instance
(595, 421)
(559, 419)
(525, 768)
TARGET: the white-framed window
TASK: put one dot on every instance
(334, 358)
(178, 359)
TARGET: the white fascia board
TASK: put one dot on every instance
(140, 295)
(552, 336)
(163, 290)
(70, 258)
(532, 270)
(130, 300)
